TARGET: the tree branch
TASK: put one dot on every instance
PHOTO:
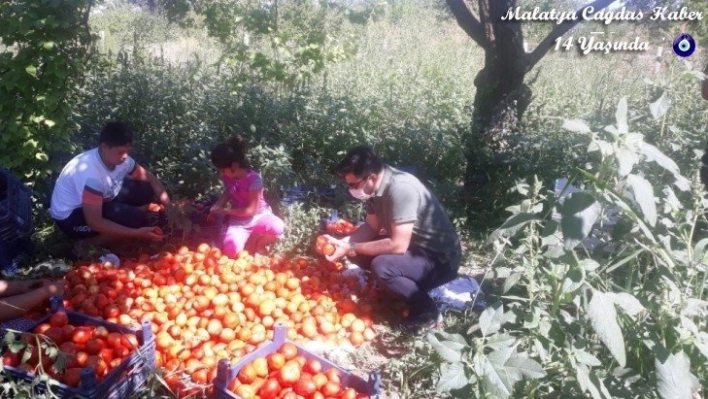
(468, 21)
(547, 43)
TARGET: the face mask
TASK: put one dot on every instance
(359, 194)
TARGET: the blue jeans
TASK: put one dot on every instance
(409, 276)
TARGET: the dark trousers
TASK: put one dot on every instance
(409, 276)
(124, 209)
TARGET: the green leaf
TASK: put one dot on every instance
(452, 376)
(550, 228)
(16, 346)
(579, 213)
(512, 225)
(626, 160)
(699, 250)
(9, 337)
(627, 302)
(500, 356)
(655, 155)
(511, 281)
(490, 320)
(452, 337)
(659, 107)
(449, 351)
(589, 265)
(576, 126)
(529, 368)
(26, 355)
(643, 194)
(495, 381)
(586, 358)
(603, 318)
(32, 70)
(51, 351)
(673, 377)
(621, 116)
(49, 122)
(574, 279)
(500, 341)
(582, 373)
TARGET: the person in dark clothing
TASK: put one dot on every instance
(408, 243)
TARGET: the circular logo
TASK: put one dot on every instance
(684, 45)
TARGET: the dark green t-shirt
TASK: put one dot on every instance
(402, 198)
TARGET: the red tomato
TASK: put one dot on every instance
(81, 335)
(59, 319)
(55, 334)
(276, 361)
(305, 387)
(247, 374)
(11, 359)
(270, 389)
(289, 374)
(107, 354)
(130, 341)
(98, 364)
(334, 375)
(114, 339)
(100, 332)
(72, 376)
(348, 393)
(121, 352)
(68, 332)
(289, 395)
(312, 366)
(40, 329)
(331, 388)
(68, 347)
(94, 346)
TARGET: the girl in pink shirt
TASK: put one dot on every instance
(250, 216)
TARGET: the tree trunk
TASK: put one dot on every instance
(502, 97)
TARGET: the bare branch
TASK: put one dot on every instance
(547, 43)
(468, 21)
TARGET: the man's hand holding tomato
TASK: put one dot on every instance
(341, 248)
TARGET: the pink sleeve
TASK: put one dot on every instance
(255, 183)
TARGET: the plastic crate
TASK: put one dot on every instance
(225, 374)
(333, 217)
(138, 365)
(11, 253)
(15, 222)
(291, 195)
(15, 208)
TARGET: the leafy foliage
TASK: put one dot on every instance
(288, 41)
(43, 48)
(606, 287)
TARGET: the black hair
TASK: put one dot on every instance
(116, 134)
(224, 155)
(359, 161)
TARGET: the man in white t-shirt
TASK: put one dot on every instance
(104, 193)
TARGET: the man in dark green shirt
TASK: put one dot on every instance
(408, 242)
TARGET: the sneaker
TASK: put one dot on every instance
(414, 324)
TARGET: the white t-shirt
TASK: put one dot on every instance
(87, 172)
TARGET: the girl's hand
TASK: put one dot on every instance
(53, 288)
(217, 209)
